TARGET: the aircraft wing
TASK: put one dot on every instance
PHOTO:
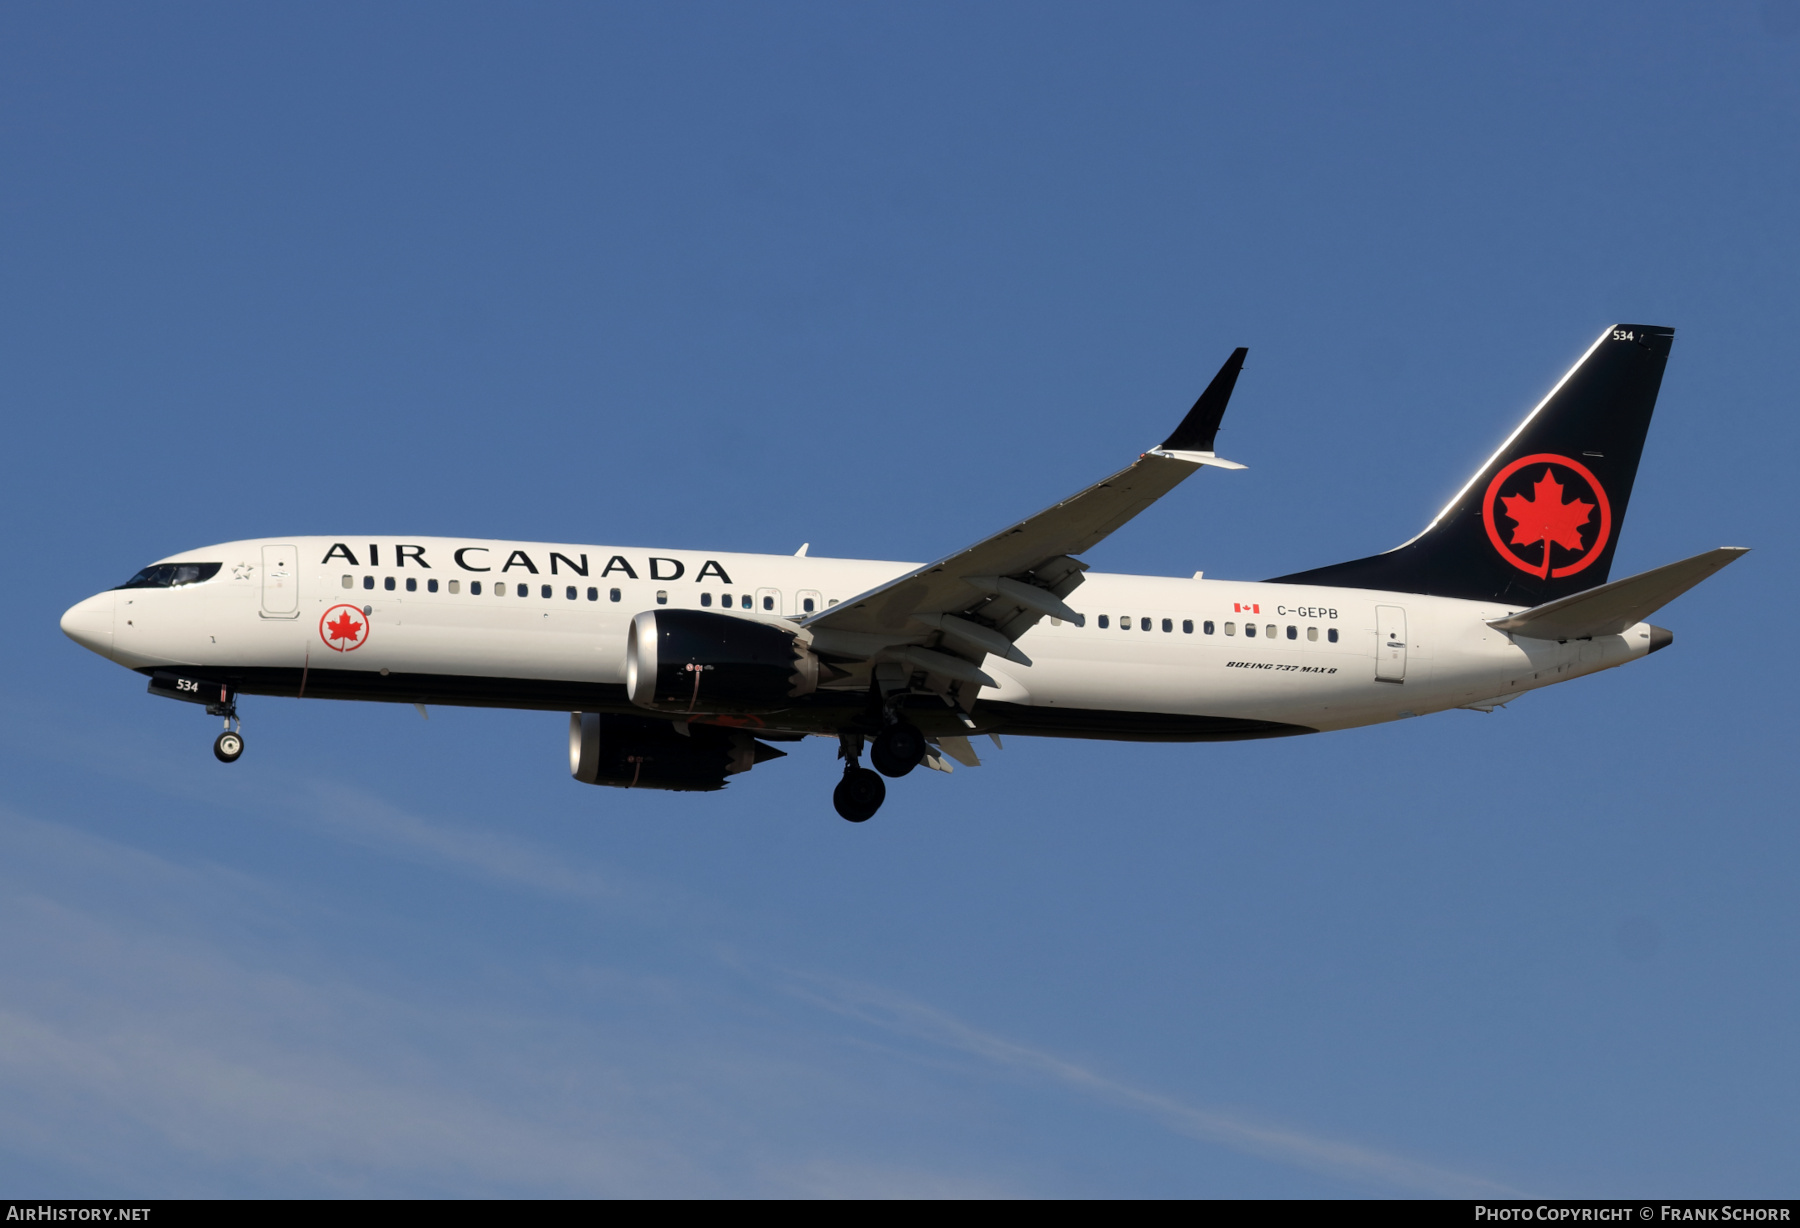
(945, 617)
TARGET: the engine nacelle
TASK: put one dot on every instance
(698, 661)
(631, 752)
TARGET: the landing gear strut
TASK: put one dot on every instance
(230, 744)
(898, 749)
(860, 793)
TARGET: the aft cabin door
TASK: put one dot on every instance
(280, 582)
(1390, 643)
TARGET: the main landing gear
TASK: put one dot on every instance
(860, 793)
(898, 749)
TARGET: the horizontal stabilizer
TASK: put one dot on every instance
(1612, 608)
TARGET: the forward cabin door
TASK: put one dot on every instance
(1390, 643)
(280, 582)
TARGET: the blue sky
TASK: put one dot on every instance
(880, 279)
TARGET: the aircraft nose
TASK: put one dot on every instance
(90, 623)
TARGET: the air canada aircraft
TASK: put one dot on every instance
(681, 669)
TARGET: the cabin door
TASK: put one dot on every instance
(280, 581)
(1390, 643)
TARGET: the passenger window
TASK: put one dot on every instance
(1187, 626)
(1331, 635)
(705, 600)
(546, 590)
(1293, 633)
(455, 586)
(1168, 624)
(1056, 622)
(662, 596)
(1125, 623)
(1249, 628)
(593, 594)
(807, 604)
(768, 603)
(1143, 624)
(368, 581)
(832, 602)
(725, 600)
(1269, 630)
(412, 585)
(1312, 634)
(1230, 628)
(1103, 622)
(500, 589)
(1207, 626)
(744, 600)
(349, 581)
(387, 582)
(569, 592)
(613, 595)
(474, 587)
(431, 586)
(525, 590)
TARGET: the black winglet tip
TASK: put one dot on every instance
(1200, 428)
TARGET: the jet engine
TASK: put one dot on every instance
(698, 661)
(632, 752)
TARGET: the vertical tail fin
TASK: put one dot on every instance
(1541, 518)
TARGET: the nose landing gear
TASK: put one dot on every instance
(230, 744)
(219, 699)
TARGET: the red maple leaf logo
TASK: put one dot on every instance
(1546, 518)
(344, 628)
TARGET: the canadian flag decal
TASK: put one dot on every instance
(1238, 608)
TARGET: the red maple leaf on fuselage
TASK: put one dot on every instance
(1546, 518)
(344, 628)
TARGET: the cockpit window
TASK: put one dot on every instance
(172, 575)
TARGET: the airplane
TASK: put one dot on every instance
(681, 669)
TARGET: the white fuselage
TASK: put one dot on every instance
(527, 624)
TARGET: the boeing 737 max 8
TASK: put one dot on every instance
(682, 668)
